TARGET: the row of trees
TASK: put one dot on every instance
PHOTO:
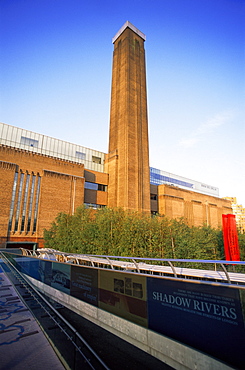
(117, 232)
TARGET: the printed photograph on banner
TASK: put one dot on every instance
(61, 276)
(123, 295)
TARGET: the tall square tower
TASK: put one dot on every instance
(127, 162)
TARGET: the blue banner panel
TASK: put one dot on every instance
(28, 266)
(208, 318)
(61, 277)
(45, 272)
(84, 284)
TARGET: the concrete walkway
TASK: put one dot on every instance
(23, 345)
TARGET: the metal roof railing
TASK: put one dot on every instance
(206, 270)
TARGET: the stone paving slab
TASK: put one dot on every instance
(23, 345)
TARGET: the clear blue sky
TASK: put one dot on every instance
(55, 78)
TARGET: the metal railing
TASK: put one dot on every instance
(231, 272)
(73, 350)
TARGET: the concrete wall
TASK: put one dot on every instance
(171, 352)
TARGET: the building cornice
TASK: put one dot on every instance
(132, 27)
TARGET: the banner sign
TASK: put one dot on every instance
(28, 266)
(45, 272)
(123, 295)
(61, 275)
(84, 284)
(230, 237)
(205, 317)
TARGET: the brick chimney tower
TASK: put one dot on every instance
(127, 161)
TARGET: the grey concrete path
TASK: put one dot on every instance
(23, 345)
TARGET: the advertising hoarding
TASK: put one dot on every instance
(61, 276)
(45, 271)
(84, 284)
(124, 295)
(28, 266)
(207, 317)
(203, 316)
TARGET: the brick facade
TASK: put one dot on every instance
(7, 172)
(44, 186)
(196, 208)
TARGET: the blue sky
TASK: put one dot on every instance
(55, 78)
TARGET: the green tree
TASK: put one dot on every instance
(128, 233)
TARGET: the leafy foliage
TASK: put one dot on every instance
(115, 232)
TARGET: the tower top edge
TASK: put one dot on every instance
(132, 27)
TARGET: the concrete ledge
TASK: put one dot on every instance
(167, 350)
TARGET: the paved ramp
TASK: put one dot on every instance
(22, 342)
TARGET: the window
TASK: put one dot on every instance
(24, 204)
(18, 202)
(94, 206)
(12, 200)
(102, 187)
(158, 179)
(154, 213)
(91, 185)
(36, 204)
(28, 141)
(80, 155)
(153, 196)
(96, 159)
(94, 186)
(31, 203)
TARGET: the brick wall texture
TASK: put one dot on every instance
(44, 186)
(28, 210)
(128, 159)
(197, 209)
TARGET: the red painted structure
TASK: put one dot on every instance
(230, 236)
